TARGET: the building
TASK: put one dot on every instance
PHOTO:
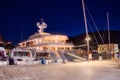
(6, 44)
(1, 38)
(46, 41)
(108, 48)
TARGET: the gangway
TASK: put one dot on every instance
(75, 56)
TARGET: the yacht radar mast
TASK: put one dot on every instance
(41, 26)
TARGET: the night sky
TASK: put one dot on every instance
(18, 17)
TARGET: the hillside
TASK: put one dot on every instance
(80, 39)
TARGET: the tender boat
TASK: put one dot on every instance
(21, 56)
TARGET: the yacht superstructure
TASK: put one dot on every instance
(46, 41)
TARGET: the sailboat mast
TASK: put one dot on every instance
(108, 31)
(108, 27)
(86, 28)
(85, 21)
(21, 33)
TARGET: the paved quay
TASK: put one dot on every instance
(89, 70)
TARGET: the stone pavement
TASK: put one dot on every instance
(89, 70)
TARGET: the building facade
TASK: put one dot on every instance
(108, 48)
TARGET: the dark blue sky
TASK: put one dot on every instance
(61, 16)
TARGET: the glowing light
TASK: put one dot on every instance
(87, 38)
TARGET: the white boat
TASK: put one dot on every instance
(47, 57)
(41, 56)
(21, 56)
(3, 56)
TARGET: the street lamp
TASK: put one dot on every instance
(88, 47)
(87, 38)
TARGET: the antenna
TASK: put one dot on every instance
(41, 26)
(21, 33)
(42, 20)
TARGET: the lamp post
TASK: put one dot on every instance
(88, 47)
(88, 40)
(86, 28)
